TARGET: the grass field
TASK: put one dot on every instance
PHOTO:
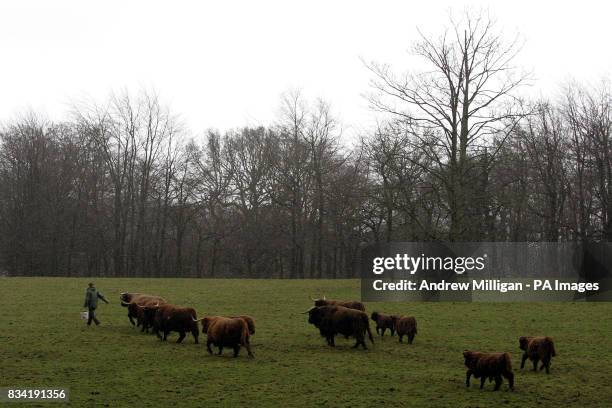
(43, 343)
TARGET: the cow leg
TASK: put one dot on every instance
(181, 337)
(131, 320)
(382, 332)
(410, 338)
(208, 343)
(392, 332)
(468, 374)
(248, 348)
(498, 382)
(482, 381)
(195, 335)
(535, 364)
(510, 376)
(166, 335)
(400, 337)
(220, 350)
(546, 364)
(523, 360)
(236, 351)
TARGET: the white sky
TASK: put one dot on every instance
(224, 64)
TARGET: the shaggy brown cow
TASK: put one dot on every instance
(405, 326)
(333, 320)
(135, 299)
(536, 349)
(488, 365)
(350, 304)
(383, 322)
(249, 321)
(226, 332)
(169, 318)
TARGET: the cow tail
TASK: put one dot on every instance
(508, 362)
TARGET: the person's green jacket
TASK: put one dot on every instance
(91, 298)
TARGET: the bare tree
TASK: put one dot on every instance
(458, 103)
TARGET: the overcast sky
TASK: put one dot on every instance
(224, 64)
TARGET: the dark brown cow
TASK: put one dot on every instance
(226, 332)
(138, 299)
(148, 312)
(169, 318)
(488, 365)
(383, 322)
(541, 348)
(350, 304)
(405, 326)
(333, 320)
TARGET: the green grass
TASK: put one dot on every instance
(43, 343)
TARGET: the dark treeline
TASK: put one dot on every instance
(121, 190)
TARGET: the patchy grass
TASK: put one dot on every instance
(43, 343)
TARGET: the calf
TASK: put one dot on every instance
(383, 322)
(405, 326)
(537, 349)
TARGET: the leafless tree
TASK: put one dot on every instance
(458, 103)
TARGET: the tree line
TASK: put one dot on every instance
(121, 189)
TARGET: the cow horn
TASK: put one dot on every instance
(309, 310)
(197, 320)
(123, 303)
(324, 297)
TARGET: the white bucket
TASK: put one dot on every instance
(84, 315)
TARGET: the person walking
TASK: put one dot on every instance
(91, 302)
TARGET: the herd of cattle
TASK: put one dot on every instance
(332, 318)
(153, 312)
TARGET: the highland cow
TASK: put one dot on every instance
(333, 320)
(131, 300)
(488, 365)
(226, 332)
(405, 326)
(384, 322)
(350, 304)
(537, 349)
(169, 318)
